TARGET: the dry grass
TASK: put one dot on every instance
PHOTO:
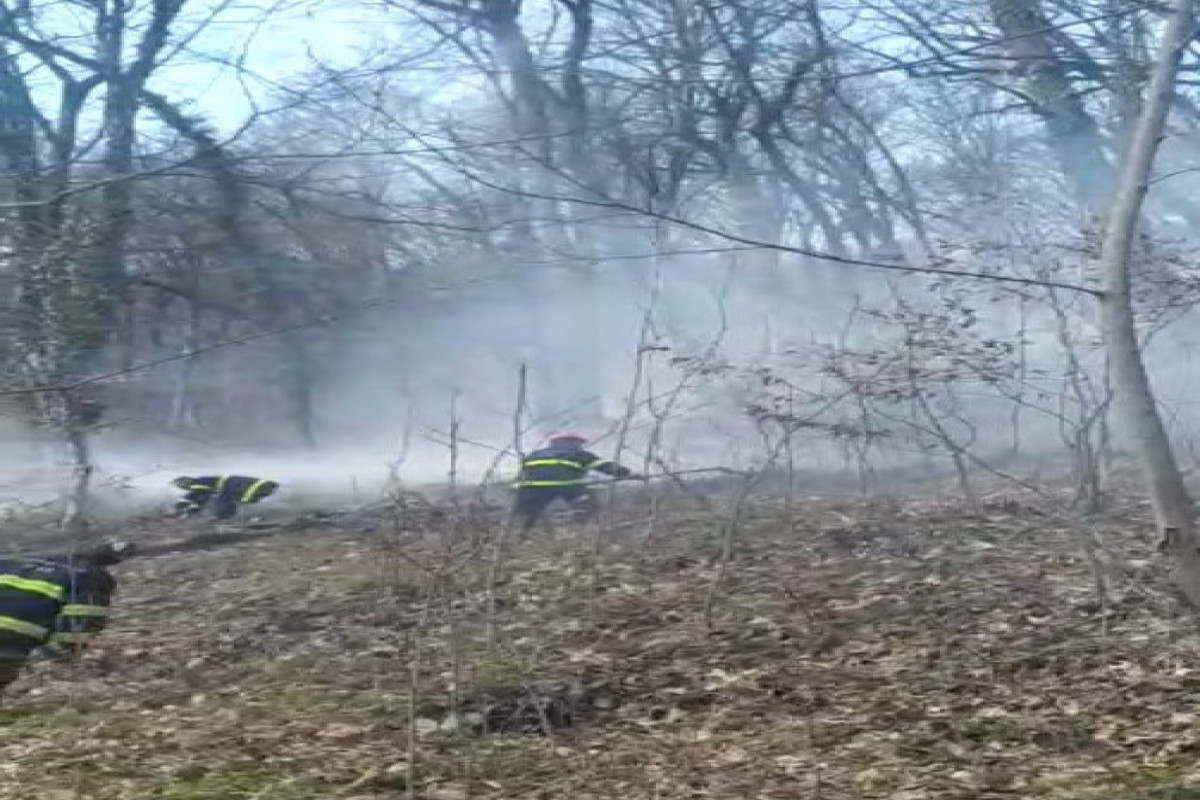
(919, 656)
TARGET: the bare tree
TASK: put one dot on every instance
(1135, 398)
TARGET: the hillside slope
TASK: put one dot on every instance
(922, 656)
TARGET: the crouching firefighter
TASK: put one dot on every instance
(54, 603)
(225, 492)
(559, 472)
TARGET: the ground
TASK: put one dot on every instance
(845, 652)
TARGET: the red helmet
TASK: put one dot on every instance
(567, 436)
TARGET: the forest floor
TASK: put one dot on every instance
(846, 652)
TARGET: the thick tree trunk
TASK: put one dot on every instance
(1135, 399)
(1071, 131)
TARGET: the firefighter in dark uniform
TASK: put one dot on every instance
(559, 472)
(55, 603)
(225, 492)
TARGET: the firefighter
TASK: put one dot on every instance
(225, 492)
(559, 472)
(54, 603)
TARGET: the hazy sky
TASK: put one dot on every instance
(252, 54)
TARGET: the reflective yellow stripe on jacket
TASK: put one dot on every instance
(84, 611)
(555, 462)
(251, 490)
(51, 590)
(21, 626)
(71, 638)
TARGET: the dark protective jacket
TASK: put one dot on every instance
(60, 601)
(561, 466)
(227, 490)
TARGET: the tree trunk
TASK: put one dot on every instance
(1131, 384)
(77, 508)
(77, 416)
(298, 386)
(1071, 131)
(182, 413)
